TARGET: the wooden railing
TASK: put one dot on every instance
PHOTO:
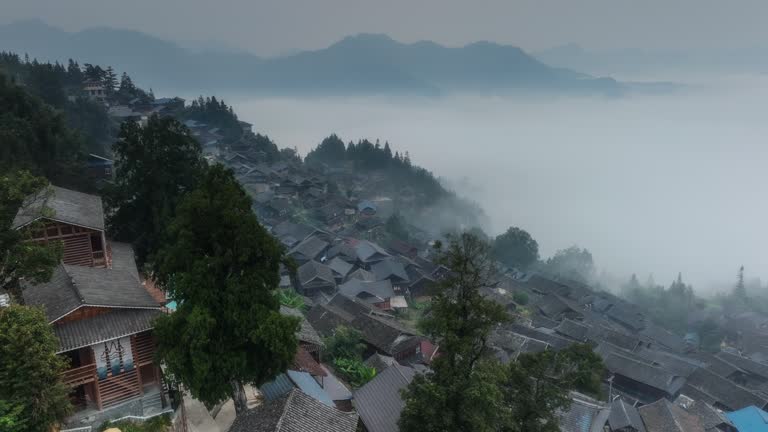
(143, 347)
(120, 388)
(79, 375)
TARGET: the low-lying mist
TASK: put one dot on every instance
(655, 184)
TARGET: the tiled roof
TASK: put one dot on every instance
(354, 288)
(751, 366)
(389, 268)
(379, 361)
(306, 332)
(73, 286)
(313, 270)
(68, 206)
(309, 249)
(111, 325)
(294, 412)
(664, 416)
(379, 403)
(303, 362)
(368, 251)
(340, 267)
(573, 330)
(705, 385)
(643, 373)
(624, 415)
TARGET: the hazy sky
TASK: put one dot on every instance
(274, 26)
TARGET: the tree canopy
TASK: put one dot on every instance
(32, 396)
(516, 248)
(461, 392)
(155, 166)
(20, 259)
(573, 263)
(222, 267)
(537, 386)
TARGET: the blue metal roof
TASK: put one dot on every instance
(286, 382)
(749, 419)
(308, 385)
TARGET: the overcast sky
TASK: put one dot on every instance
(275, 26)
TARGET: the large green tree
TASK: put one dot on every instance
(18, 257)
(222, 267)
(155, 166)
(33, 136)
(516, 248)
(573, 262)
(537, 386)
(460, 393)
(32, 396)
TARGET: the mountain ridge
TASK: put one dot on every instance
(365, 63)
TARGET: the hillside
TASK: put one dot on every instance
(362, 64)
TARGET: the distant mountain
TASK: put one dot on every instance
(654, 63)
(363, 64)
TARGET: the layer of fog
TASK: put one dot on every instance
(649, 184)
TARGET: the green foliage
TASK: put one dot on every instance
(520, 297)
(354, 371)
(161, 423)
(11, 417)
(366, 156)
(34, 137)
(214, 113)
(345, 343)
(155, 166)
(21, 259)
(52, 83)
(460, 393)
(291, 299)
(396, 227)
(572, 263)
(30, 370)
(222, 267)
(537, 386)
(516, 248)
(669, 308)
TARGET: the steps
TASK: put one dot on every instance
(152, 404)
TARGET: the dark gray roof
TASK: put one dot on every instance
(388, 268)
(295, 412)
(370, 252)
(711, 418)
(643, 373)
(340, 267)
(713, 389)
(624, 415)
(676, 364)
(379, 403)
(573, 330)
(664, 416)
(111, 325)
(306, 332)
(313, 270)
(297, 231)
(361, 274)
(379, 361)
(662, 336)
(68, 206)
(75, 286)
(123, 258)
(749, 365)
(361, 289)
(583, 416)
(557, 342)
(309, 249)
(58, 296)
(384, 334)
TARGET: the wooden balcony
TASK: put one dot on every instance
(79, 375)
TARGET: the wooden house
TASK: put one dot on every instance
(101, 312)
(74, 218)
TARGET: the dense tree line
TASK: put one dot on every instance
(365, 155)
(61, 87)
(467, 388)
(216, 114)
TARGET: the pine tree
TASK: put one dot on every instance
(740, 290)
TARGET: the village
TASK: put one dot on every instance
(360, 267)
